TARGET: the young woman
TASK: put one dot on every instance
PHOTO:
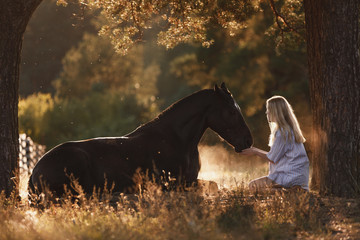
(289, 164)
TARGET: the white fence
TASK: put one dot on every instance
(29, 153)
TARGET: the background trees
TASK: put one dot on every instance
(157, 77)
(46, 44)
(254, 65)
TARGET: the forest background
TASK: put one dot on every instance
(73, 85)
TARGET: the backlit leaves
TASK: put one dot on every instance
(176, 21)
(187, 21)
(289, 22)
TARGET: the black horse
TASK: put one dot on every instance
(169, 144)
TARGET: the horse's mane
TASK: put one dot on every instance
(184, 101)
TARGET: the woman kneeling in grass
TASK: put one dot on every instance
(289, 164)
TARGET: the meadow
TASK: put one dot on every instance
(229, 212)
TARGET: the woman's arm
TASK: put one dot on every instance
(257, 152)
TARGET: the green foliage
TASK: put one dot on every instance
(94, 66)
(31, 113)
(113, 114)
(98, 93)
(187, 68)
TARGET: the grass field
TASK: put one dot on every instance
(232, 212)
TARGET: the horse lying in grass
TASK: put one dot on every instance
(167, 144)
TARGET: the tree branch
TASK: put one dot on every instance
(278, 16)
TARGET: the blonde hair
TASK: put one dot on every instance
(281, 117)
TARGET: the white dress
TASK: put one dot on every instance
(291, 163)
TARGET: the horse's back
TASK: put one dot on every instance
(89, 162)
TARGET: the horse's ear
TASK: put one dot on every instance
(223, 87)
(223, 92)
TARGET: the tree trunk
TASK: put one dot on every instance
(14, 17)
(332, 29)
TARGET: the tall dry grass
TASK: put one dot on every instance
(232, 212)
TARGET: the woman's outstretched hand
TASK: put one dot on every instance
(255, 151)
(250, 151)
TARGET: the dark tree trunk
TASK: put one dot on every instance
(332, 29)
(14, 17)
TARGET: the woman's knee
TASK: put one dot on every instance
(261, 184)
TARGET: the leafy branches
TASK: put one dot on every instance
(280, 18)
(289, 19)
(175, 21)
(188, 21)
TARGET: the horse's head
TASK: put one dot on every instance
(225, 118)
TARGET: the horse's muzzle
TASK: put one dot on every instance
(247, 143)
(237, 149)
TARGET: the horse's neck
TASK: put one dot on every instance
(187, 118)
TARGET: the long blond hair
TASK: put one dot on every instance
(281, 117)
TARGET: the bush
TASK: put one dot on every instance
(50, 121)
